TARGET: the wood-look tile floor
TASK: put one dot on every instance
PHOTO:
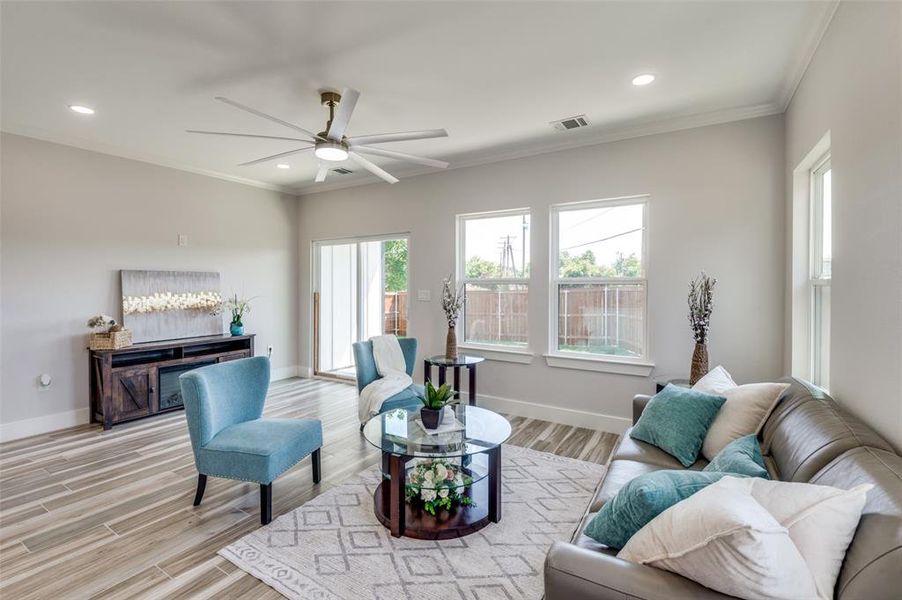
(92, 514)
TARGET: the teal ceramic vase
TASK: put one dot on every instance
(236, 328)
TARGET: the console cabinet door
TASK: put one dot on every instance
(132, 393)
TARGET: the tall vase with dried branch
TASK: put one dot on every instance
(701, 303)
(452, 303)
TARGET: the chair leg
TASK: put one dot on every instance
(265, 503)
(316, 460)
(201, 486)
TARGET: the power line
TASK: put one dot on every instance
(611, 237)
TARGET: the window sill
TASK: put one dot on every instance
(636, 368)
(503, 354)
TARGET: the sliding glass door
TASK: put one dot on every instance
(360, 290)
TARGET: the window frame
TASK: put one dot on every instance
(819, 372)
(638, 365)
(504, 352)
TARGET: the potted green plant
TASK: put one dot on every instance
(434, 402)
(238, 307)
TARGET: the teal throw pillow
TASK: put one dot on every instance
(676, 421)
(643, 499)
(741, 456)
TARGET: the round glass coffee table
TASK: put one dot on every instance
(472, 453)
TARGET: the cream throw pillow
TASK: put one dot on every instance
(755, 538)
(723, 539)
(744, 413)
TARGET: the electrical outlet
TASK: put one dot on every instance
(424, 295)
(183, 239)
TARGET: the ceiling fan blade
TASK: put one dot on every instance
(321, 174)
(374, 169)
(381, 138)
(429, 162)
(275, 156)
(247, 135)
(343, 116)
(263, 115)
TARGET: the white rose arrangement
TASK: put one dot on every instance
(439, 485)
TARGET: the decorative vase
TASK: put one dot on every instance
(699, 363)
(451, 344)
(431, 417)
(236, 328)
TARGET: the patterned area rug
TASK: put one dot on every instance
(333, 548)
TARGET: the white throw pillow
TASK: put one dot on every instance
(725, 540)
(715, 381)
(820, 522)
(744, 413)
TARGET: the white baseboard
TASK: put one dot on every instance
(284, 373)
(555, 414)
(305, 372)
(15, 430)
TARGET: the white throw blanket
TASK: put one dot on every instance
(391, 366)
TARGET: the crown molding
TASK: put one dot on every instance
(82, 144)
(800, 66)
(604, 136)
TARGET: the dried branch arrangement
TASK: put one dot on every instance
(701, 303)
(452, 301)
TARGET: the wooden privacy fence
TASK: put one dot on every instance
(607, 318)
(395, 313)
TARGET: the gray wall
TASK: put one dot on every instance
(716, 204)
(853, 90)
(72, 218)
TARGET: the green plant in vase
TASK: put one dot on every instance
(434, 402)
(438, 485)
(239, 307)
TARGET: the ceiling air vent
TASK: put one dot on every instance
(342, 171)
(571, 123)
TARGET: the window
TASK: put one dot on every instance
(598, 279)
(493, 267)
(821, 256)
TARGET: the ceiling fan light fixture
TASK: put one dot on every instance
(331, 151)
(643, 79)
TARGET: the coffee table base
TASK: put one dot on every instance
(419, 524)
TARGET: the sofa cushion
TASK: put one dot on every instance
(874, 558)
(583, 541)
(643, 499)
(742, 456)
(259, 450)
(639, 451)
(676, 421)
(808, 429)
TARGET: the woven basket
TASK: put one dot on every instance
(110, 341)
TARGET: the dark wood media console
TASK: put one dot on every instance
(142, 380)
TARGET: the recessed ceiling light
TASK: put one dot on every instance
(82, 110)
(643, 79)
(283, 166)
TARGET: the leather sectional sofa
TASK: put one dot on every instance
(807, 438)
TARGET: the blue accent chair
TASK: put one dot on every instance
(223, 406)
(367, 373)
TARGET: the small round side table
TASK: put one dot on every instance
(443, 363)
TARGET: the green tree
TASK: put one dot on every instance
(582, 265)
(479, 267)
(395, 253)
(627, 266)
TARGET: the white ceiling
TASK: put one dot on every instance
(492, 74)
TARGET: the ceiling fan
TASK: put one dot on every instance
(331, 145)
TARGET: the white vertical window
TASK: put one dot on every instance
(493, 267)
(821, 255)
(598, 279)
